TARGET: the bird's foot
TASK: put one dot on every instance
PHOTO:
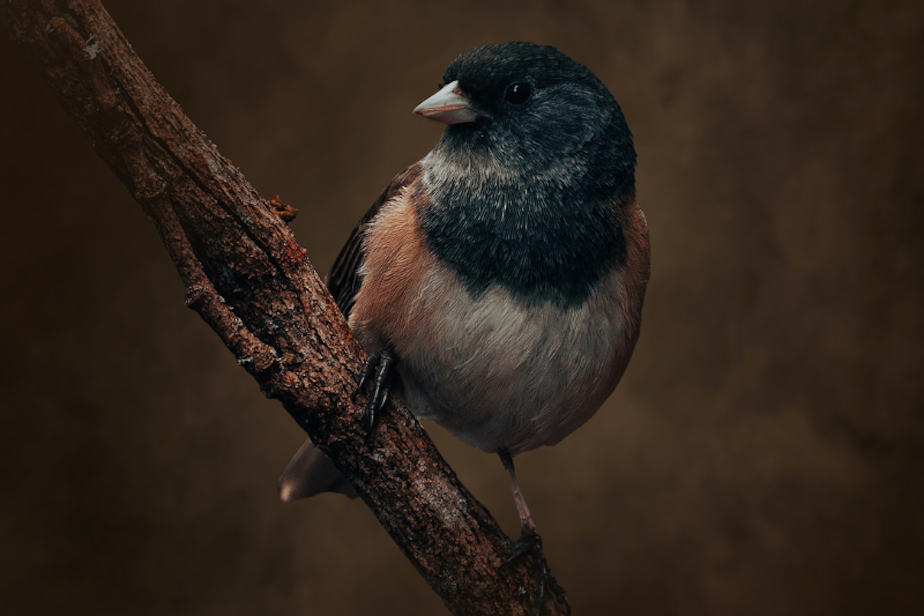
(529, 545)
(377, 371)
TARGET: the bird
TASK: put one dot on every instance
(497, 284)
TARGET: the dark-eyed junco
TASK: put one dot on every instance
(498, 283)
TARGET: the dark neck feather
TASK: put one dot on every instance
(545, 230)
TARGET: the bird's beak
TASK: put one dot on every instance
(448, 106)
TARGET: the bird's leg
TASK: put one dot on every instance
(526, 519)
(530, 543)
(377, 370)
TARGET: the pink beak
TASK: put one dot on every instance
(448, 106)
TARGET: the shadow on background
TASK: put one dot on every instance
(763, 454)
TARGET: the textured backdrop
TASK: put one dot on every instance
(763, 455)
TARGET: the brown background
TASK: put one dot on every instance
(763, 454)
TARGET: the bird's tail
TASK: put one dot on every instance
(311, 472)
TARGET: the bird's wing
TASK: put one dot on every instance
(343, 277)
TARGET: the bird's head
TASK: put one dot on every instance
(531, 109)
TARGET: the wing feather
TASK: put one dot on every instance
(343, 279)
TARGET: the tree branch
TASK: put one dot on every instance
(251, 281)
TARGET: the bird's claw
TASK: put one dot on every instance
(530, 545)
(377, 367)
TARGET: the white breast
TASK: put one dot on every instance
(500, 373)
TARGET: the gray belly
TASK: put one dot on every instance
(499, 373)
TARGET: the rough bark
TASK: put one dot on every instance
(251, 281)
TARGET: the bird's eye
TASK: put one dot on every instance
(518, 93)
